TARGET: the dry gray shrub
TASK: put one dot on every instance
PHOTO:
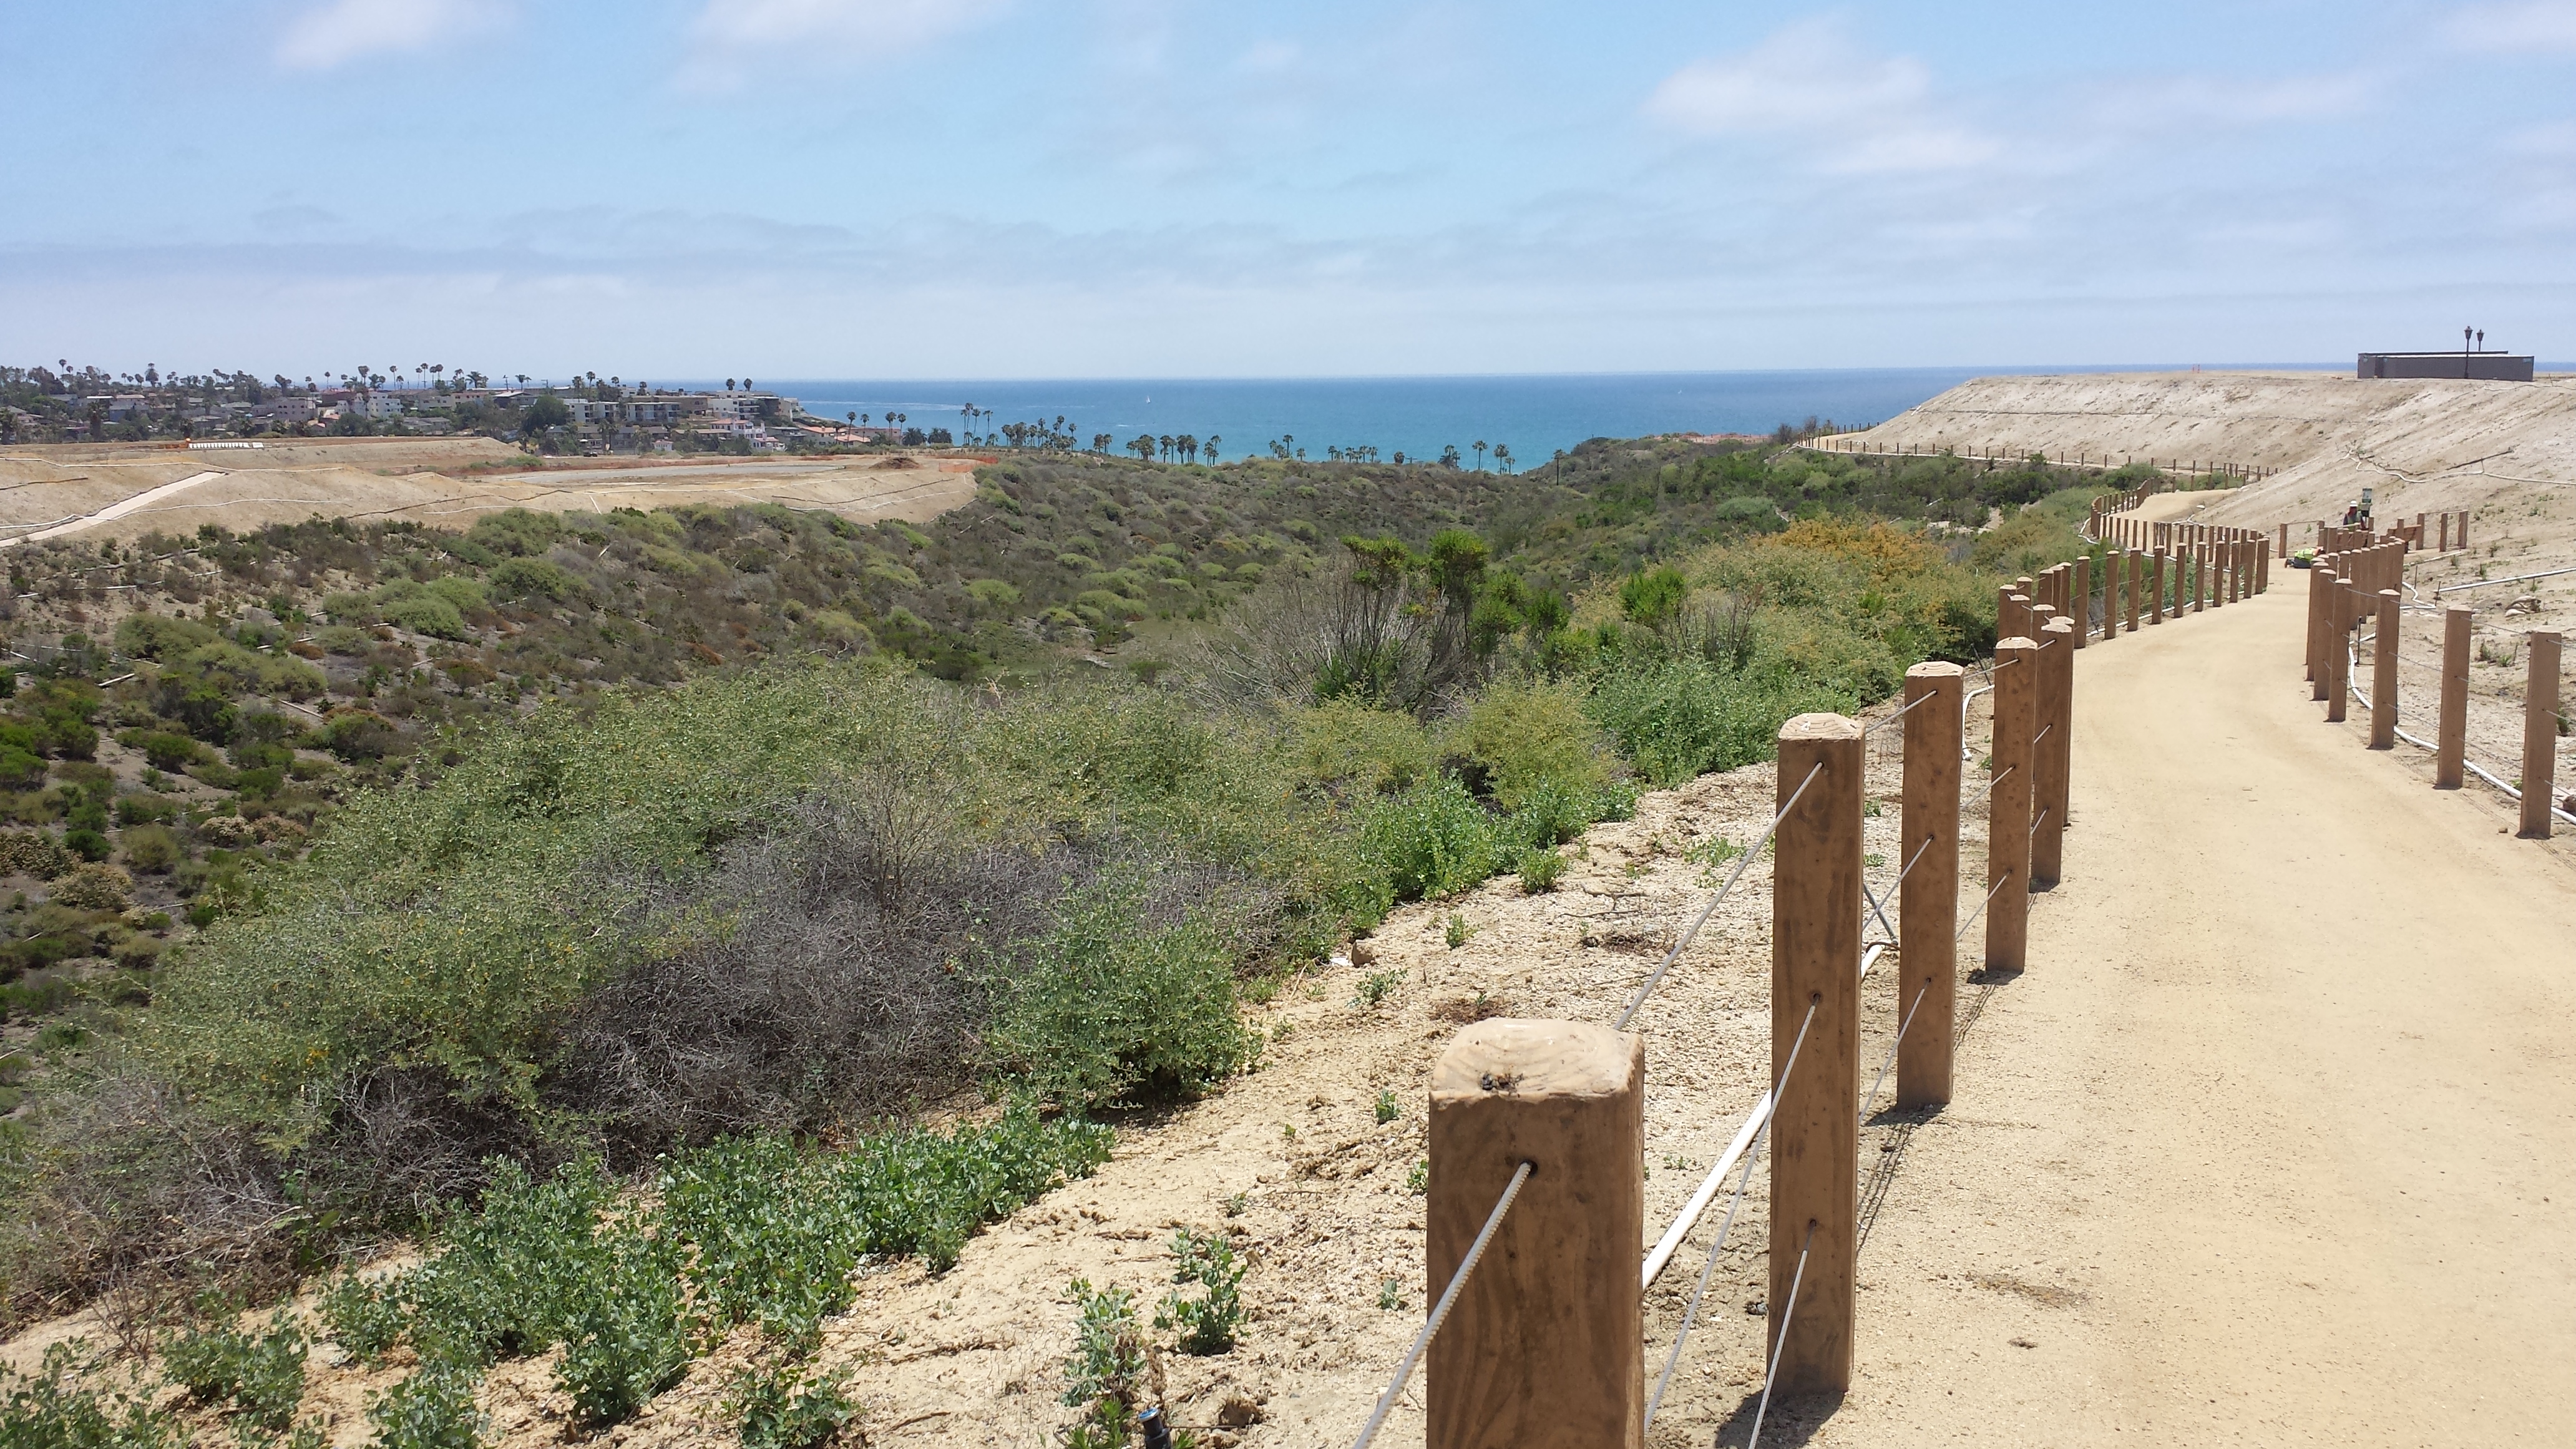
(133, 1194)
(824, 972)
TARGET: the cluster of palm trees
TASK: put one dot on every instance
(1168, 447)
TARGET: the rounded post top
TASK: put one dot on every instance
(1820, 727)
(1935, 669)
(2015, 644)
(1521, 1057)
(2058, 626)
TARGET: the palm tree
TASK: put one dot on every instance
(1479, 446)
(1212, 441)
(1503, 456)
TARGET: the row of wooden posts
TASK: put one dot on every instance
(2195, 467)
(2336, 538)
(2360, 586)
(1544, 1344)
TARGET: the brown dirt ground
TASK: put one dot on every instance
(444, 482)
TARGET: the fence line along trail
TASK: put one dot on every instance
(2270, 1144)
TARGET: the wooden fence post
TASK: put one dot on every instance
(2008, 804)
(2338, 648)
(1546, 1342)
(2450, 739)
(2539, 733)
(2079, 590)
(1815, 1130)
(2050, 758)
(2137, 579)
(2383, 675)
(1927, 923)
(2156, 587)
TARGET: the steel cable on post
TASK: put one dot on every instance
(1881, 1079)
(1448, 1297)
(1878, 904)
(1750, 851)
(1981, 909)
(1690, 1312)
(1787, 1310)
(1891, 719)
(2353, 668)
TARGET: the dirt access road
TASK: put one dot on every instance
(2271, 1143)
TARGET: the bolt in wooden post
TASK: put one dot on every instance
(1815, 1136)
(2539, 733)
(2016, 717)
(2050, 758)
(1546, 1343)
(2450, 739)
(2383, 675)
(1927, 923)
(2338, 649)
(2079, 581)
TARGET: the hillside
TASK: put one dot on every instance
(2426, 446)
(125, 490)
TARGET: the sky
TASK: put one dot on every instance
(1157, 188)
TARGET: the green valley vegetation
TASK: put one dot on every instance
(380, 881)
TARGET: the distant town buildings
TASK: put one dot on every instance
(41, 404)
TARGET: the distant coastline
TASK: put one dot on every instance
(1531, 414)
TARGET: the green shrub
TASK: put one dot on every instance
(787, 1407)
(1354, 748)
(1540, 870)
(1208, 1322)
(150, 848)
(261, 1373)
(425, 614)
(87, 843)
(1108, 1358)
(363, 1317)
(1651, 597)
(1109, 1005)
(1432, 840)
(525, 578)
(1679, 718)
(52, 1409)
(625, 1337)
(1532, 734)
(431, 1409)
(776, 1232)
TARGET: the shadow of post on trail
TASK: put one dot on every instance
(1793, 1420)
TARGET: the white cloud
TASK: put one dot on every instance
(333, 34)
(2514, 26)
(1809, 83)
(732, 38)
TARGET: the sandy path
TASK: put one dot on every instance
(2271, 1143)
(139, 503)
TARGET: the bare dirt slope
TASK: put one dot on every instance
(2269, 1144)
(123, 492)
(2500, 449)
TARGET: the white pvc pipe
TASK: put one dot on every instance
(1671, 1242)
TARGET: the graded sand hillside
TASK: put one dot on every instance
(2503, 452)
(124, 491)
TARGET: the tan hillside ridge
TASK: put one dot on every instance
(2504, 452)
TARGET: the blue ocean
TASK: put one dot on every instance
(1532, 415)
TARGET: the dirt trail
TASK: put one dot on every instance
(2270, 1143)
